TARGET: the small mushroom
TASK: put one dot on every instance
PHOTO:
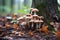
(35, 10)
(41, 17)
(41, 21)
(37, 23)
(28, 16)
(20, 18)
(31, 10)
(35, 16)
(23, 23)
(32, 23)
(31, 20)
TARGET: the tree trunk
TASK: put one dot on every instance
(50, 8)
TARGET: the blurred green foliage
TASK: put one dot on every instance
(58, 8)
(25, 10)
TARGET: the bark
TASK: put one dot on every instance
(50, 7)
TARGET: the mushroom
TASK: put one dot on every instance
(32, 23)
(20, 19)
(37, 23)
(35, 16)
(40, 23)
(23, 25)
(35, 10)
(28, 16)
(41, 17)
(31, 10)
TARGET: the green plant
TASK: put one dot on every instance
(25, 10)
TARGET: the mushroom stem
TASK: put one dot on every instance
(31, 12)
(36, 25)
(35, 13)
(32, 24)
(39, 25)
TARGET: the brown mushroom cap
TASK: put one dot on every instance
(35, 16)
(31, 9)
(35, 10)
(28, 16)
(36, 21)
(31, 20)
(41, 17)
(20, 18)
(41, 21)
(23, 23)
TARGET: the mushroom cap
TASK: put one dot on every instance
(28, 16)
(35, 10)
(41, 21)
(31, 20)
(20, 18)
(35, 16)
(31, 9)
(23, 23)
(36, 21)
(41, 17)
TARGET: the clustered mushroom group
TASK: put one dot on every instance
(33, 21)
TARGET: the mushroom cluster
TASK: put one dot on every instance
(31, 22)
